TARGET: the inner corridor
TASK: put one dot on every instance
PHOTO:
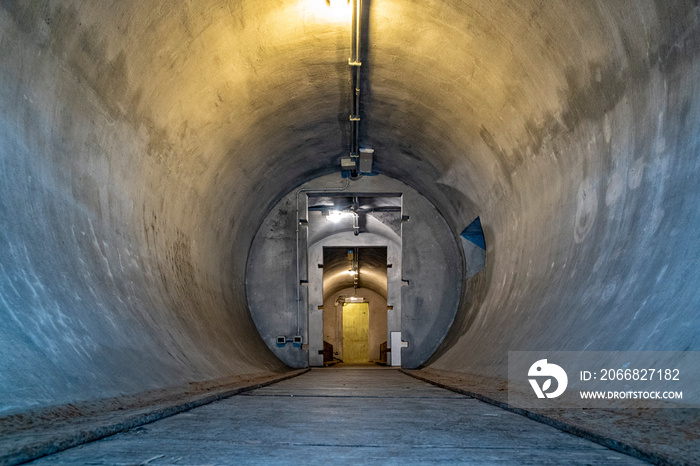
(352, 414)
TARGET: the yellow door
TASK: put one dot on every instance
(356, 332)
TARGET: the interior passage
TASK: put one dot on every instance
(346, 414)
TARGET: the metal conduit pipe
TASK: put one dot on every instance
(356, 64)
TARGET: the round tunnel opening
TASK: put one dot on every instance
(292, 281)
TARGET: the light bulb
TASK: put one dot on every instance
(335, 216)
(339, 8)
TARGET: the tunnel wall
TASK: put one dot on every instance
(591, 219)
(141, 146)
(116, 250)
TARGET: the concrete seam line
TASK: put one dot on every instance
(613, 444)
(80, 436)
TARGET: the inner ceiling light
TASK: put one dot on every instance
(335, 216)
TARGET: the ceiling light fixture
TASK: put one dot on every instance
(339, 8)
(335, 216)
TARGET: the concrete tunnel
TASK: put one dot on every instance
(145, 145)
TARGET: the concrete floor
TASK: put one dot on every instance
(351, 414)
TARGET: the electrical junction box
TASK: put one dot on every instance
(366, 156)
(297, 341)
(281, 341)
(347, 163)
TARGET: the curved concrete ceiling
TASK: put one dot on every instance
(385, 225)
(144, 142)
(371, 271)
